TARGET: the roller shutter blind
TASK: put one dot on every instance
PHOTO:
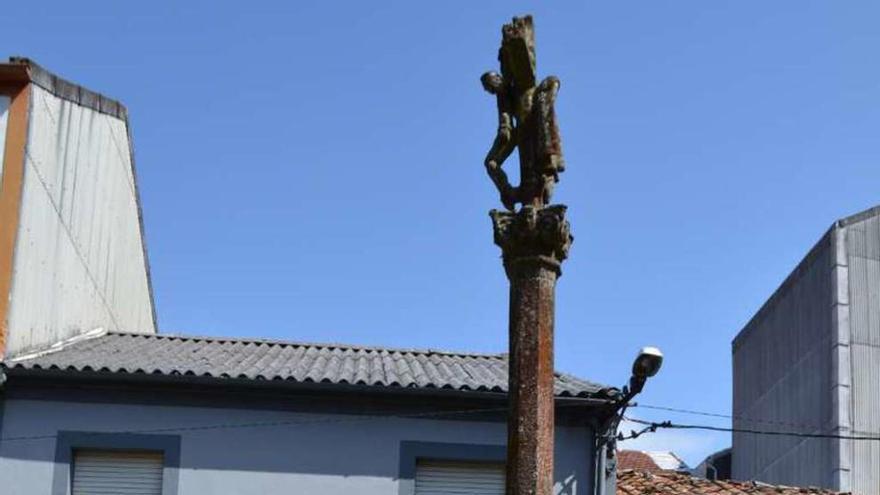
(113, 472)
(459, 478)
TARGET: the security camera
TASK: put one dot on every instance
(647, 363)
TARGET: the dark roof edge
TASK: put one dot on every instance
(67, 90)
(803, 264)
(858, 217)
(289, 385)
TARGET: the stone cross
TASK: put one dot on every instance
(534, 241)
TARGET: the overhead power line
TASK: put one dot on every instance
(649, 426)
(670, 425)
(682, 411)
(725, 416)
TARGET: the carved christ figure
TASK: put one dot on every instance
(526, 120)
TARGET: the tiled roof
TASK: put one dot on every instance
(634, 482)
(248, 359)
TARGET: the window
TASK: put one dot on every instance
(433, 468)
(117, 471)
(92, 463)
(455, 478)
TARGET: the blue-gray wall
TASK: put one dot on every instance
(325, 453)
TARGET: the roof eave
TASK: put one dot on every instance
(596, 401)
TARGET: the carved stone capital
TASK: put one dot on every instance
(533, 234)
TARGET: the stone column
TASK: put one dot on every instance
(534, 242)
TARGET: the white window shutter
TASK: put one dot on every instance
(109, 472)
(459, 478)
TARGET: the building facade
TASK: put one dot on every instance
(94, 400)
(809, 362)
(180, 415)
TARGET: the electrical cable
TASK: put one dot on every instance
(650, 426)
(725, 416)
(749, 431)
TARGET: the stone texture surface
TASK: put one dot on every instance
(534, 241)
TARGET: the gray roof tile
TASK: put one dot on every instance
(221, 358)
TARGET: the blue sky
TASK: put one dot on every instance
(313, 171)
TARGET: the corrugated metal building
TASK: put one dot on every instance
(809, 361)
(72, 256)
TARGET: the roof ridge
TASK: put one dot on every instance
(296, 343)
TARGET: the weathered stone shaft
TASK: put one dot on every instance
(531, 419)
(534, 242)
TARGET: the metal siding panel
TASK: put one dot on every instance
(866, 389)
(871, 227)
(866, 461)
(855, 241)
(79, 263)
(860, 326)
(782, 377)
(863, 249)
(872, 301)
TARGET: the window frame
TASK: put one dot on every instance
(69, 441)
(411, 452)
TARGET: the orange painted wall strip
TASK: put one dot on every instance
(10, 198)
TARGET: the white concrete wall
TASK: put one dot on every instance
(79, 260)
(324, 454)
